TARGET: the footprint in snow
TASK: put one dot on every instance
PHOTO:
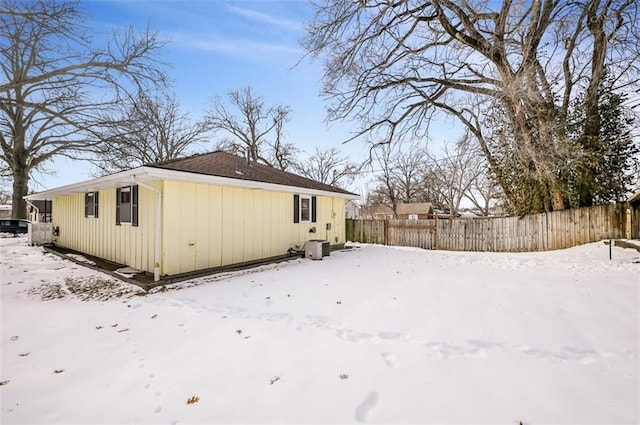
(391, 360)
(368, 405)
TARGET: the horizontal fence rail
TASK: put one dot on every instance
(535, 232)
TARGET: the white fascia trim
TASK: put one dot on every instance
(149, 174)
(120, 179)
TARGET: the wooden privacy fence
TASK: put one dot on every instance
(535, 232)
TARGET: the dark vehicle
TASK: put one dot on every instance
(14, 226)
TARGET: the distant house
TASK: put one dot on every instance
(404, 211)
(352, 209)
(414, 211)
(377, 212)
(196, 213)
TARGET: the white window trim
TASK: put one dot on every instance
(93, 201)
(308, 198)
(126, 189)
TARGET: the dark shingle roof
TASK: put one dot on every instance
(224, 164)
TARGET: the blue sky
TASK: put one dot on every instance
(215, 46)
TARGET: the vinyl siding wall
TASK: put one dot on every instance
(203, 226)
(207, 226)
(101, 237)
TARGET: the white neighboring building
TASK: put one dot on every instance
(351, 209)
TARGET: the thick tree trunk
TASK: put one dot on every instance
(590, 140)
(20, 189)
(557, 200)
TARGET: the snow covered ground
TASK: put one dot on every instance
(374, 334)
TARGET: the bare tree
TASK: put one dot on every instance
(253, 127)
(5, 197)
(400, 177)
(146, 130)
(59, 83)
(386, 189)
(483, 192)
(408, 172)
(456, 172)
(329, 167)
(395, 65)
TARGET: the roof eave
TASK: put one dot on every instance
(164, 174)
(147, 174)
(107, 182)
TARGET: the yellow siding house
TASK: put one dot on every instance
(201, 212)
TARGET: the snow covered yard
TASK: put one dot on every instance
(374, 334)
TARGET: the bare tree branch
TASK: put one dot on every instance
(395, 65)
(146, 130)
(329, 167)
(58, 82)
(253, 127)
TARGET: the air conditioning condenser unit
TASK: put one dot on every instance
(316, 249)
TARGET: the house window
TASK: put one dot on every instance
(413, 216)
(127, 205)
(91, 204)
(304, 209)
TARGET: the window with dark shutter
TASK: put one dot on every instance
(134, 205)
(88, 203)
(313, 209)
(127, 205)
(91, 204)
(117, 206)
(296, 208)
(304, 208)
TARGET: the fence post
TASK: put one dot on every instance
(386, 231)
(435, 234)
(610, 243)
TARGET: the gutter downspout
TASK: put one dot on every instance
(158, 232)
